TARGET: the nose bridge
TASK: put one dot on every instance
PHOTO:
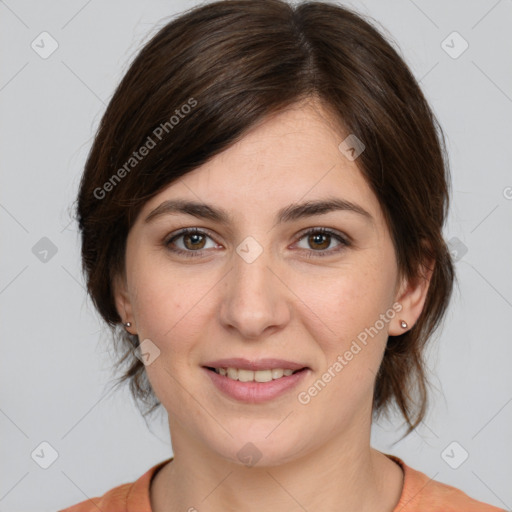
(255, 298)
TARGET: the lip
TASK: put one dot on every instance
(255, 392)
(260, 364)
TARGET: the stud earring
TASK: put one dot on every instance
(128, 324)
(403, 324)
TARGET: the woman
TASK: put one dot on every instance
(261, 213)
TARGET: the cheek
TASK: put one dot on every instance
(343, 316)
(170, 305)
(171, 309)
(350, 304)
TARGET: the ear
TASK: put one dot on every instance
(411, 295)
(123, 303)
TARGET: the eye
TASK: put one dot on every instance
(192, 244)
(320, 240)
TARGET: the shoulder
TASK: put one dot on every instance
(424, 494)
(128, 497)
(115, 499)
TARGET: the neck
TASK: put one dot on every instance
(341, 475)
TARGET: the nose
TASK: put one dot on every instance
(256, 301)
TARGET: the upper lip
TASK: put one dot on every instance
(255, 365)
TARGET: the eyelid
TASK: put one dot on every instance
(301, 234)
(321, 229)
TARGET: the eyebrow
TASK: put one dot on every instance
(287, 214)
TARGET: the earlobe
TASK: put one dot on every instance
(123, 304)
(411, 296)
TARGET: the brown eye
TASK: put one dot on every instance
(189, 242)
(320, 239)
(193, 241)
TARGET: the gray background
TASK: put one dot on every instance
(56, 358)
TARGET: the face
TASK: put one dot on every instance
(264, 277)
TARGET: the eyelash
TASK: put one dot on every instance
(311, 253)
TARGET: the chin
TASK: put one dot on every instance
(260, 449)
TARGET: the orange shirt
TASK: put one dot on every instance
(419, 494)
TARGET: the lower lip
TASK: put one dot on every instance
(255, 392)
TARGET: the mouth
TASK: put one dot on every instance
(255, 381)
(244, 375)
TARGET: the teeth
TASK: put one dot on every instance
(246, 375)
(261, 376)
(277, 373)
(254, 376)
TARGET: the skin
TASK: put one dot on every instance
(285, 305)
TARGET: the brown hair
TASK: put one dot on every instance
(234, 63)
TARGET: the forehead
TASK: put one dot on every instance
(290, 157)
